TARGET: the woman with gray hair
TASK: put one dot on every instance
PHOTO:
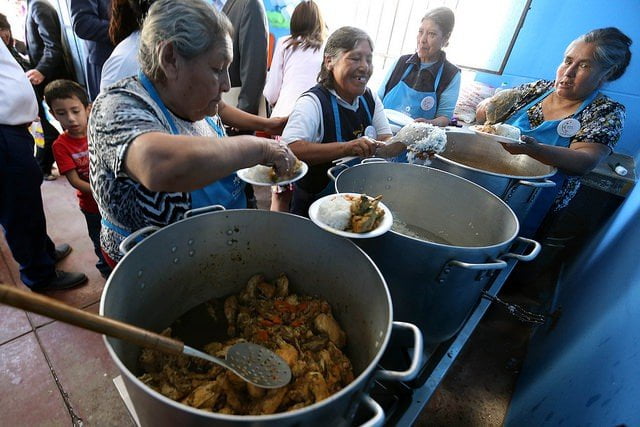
(568, 123)
(158, 147)
(338, 117)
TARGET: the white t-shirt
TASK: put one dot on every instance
(292, 73)
(18, 104)
(307, 124)
(123, 61)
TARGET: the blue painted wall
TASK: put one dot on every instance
(585, 371)
(551, 25)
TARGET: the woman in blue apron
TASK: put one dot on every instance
(157, 146)
(339, 117)
(425, 85)
(568, 123)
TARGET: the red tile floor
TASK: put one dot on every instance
(53, 374)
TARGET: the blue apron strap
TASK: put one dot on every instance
(216, 127)
(366, 108)
(113, 227)
(156, 97)
(437, 81)
(336, 118)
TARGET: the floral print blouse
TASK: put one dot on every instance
(601, 122)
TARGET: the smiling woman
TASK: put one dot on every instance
(338, 117)
(158, 144)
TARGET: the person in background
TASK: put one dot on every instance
(250, 47)
(248, 71)
(13, 45)
(338, 117)
(158, 147)
(425, 85)
(90, 19)
(47, 57)
(124, 32)
(294, 68)
(21, 212)
(70, 106)
(568, 123)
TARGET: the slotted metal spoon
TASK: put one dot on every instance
(251, 362)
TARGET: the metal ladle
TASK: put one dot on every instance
(251, 362)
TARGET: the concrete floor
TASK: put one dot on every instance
(54, 374)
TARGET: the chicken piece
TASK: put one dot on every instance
(316, 343)
(288, 352)
(231, 312)
(205, 396)
(500, 105)
(365, 214)
(292, 299)
(317, 385)
(249, 292)
(233, 398)
(342, 362)
(325, 323)
(266, 289)
(271, 402)
(255, 391)
(282, 286)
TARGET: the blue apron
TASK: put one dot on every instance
(302, 199)
(228, 191)
(545, 133)
(412, 102)
(330, 188)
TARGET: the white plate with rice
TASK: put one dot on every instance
(262, 175)
(505, 133)
(333, 213)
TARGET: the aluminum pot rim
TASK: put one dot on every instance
(362, 377)
(442, 245)
(500, 175)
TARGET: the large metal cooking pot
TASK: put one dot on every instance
(516, 179)
(213, 255)
(435, 283)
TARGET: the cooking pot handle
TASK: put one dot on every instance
(330, 172)
(538, 184)
(198, 211)
(378, 412)
(534, 252)
(416, 363)
(134, 238)
(496, 265)
(373, 160)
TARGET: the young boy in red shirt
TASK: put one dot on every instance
(70, 105)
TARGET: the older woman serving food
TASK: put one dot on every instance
(338, 117)
(567, 123)
(157, 146)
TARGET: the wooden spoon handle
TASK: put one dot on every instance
(54, 309)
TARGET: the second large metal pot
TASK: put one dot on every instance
(516, 179)
(437, 279)
(213, 255)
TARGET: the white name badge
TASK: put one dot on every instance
(568, 127)
(427, 103)
(370, 131)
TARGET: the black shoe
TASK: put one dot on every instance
(63, 280)
(62, 251)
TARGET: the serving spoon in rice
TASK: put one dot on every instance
(415, 134)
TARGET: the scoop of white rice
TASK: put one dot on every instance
(434, 140)
(335, 212)
(507, 131)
